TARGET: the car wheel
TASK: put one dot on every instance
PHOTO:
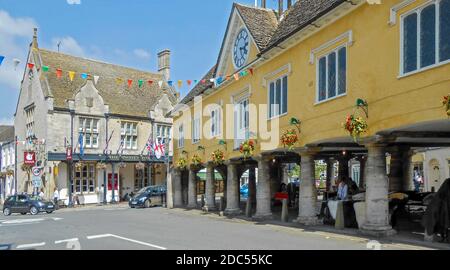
(49, 212)
(6, 211)
(147, 204)
(34, 211)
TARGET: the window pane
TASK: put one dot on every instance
(122, 129)
(444, 29)
(271, 99)
(278, 97)
(322, 79)
(342, 69)
(285, 94)
(88, 140)
(410, 43)
(135, 129)
(134, 142)
(428, 36)
(95, 140)
(95, 126)
(331, 75)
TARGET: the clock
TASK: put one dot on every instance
(241, 49)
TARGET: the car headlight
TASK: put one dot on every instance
(142, 199)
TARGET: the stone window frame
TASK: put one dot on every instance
(94, 132)
(129, 136)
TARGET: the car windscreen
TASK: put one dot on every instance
(141, 191)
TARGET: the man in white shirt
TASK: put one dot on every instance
(342, 190)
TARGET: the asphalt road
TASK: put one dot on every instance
(121, 228)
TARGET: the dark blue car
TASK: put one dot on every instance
(24, 204)
(148, 196)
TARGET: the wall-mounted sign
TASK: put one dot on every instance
(69, 154)
(29, 158)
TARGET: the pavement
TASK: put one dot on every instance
(118, 227)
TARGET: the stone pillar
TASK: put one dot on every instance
(210, 189)
(263, 200)
(192, 189)
(307, 213)
(184, 186)
(362, 172)
(285, 173)
(343, 167)
(396, 170)
(377, 203)
(170, 189)
(330, 168)
(177, 188)
(233, 195)
(408, 170)
(252, 185)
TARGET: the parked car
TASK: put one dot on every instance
(148, 196)
(24, 204)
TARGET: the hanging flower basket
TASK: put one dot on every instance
(181, 163)
(9, 173)
(26, 168)
(122, 165)
(140, 166)
(356, 126)
(79, 166)
(218, 157)
(101, 166)
(2, 174)
(289, 139)
(247, 148)
(446, 103)
(196, 160)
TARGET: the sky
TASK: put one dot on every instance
(128, 33)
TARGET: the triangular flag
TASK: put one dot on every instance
(59, 73)
(1, 59)
(140, 82)
(236, 77)
(170, 83)
(84, 76)
(96, 78)
(45, 68)
(212, 80)
(150, 82)
(195, 81)
(16, 63)
(251, 70)
(203, 81)
(130, 82)
(71, 75)
(189, 82)
(30, 65)
(180, 83)
(228, 77)
(160, 83)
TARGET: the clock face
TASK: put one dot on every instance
(241, 49)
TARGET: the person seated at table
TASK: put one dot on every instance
(354, 189)
(342, 190)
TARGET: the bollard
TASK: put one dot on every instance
(340, 220)
(284, 211)
(248, 207)
(203, 200)
(221, 206)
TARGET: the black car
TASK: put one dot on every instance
(24, 204)
(148, 196)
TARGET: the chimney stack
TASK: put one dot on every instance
(35, 42)
(263, 3)
(280, 8)
(164, 64)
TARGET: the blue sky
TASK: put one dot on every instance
(128, 33)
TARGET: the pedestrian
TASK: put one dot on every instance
(56, 196)
(41, 194)
(342, 190)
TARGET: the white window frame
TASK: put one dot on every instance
(239, 118)
(336, 51)
(216, 122)
(91, 181)
(29, 125)
(94, 132)
(196, 127)
(418, 10)
(129, 133)
(163, 132)
(274, 116)
(181, 136)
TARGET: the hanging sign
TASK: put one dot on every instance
(69, 154)
(29, 158)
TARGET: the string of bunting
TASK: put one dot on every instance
(130, 82)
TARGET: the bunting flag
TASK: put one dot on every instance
(180, 83)
(71, 75)
(96, 78)
(150, 82)
(170, 83)
(251, 71)
(212, 80)
(119, 80)
(189, 82)
(160, 83)
(236, 77)
(45, 68)
(59, 73)
(16, 63)
(1, 59)
(130, 83)
(140, 82)
(30, 65)
(203, 81)
(84, 76)
(195, 82)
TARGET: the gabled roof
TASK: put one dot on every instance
(300, 15)
(6, 133)
(200, 88)
(261, 23)
(122, 100)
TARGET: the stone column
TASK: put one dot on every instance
(210, 189)
(377, 204)
(330, 168)
(362, 172)
(170, 188)
(408, 170)
(252, 185)
(307, 213)
(192, 189)
(396, 170)
(343, 167)
(177, 188)
(285, 173)
(233, 197)
(263, 200)
(184, 186)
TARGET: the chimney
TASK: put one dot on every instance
(164, 64)
(280, 8)
(263, 3)
(35, 42)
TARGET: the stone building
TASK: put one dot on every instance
(116, 119)
(7, 161)
(311, 66)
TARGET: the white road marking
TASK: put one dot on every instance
(31, 245)
(21, 221)
(126, 239)
(56, 219)
(66, 241)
